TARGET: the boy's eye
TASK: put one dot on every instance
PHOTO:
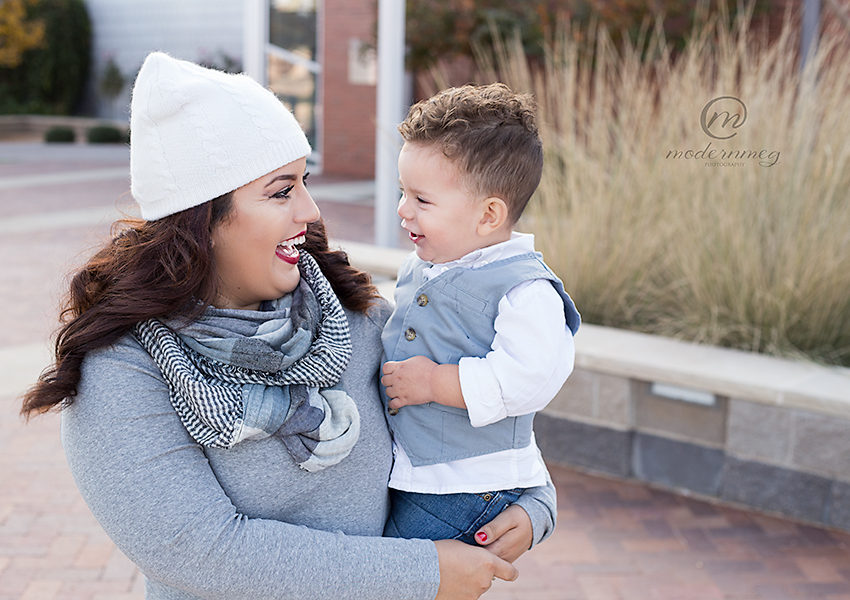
(422, 200)
(284, 193)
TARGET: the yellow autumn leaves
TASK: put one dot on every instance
(17, 34)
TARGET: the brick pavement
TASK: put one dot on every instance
(615, 539)
(627, 541)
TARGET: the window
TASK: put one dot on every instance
(293, 69)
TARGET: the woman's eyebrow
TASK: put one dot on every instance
(287, 177)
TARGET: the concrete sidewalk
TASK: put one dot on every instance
(615, 539)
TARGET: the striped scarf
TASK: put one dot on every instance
(235, 375)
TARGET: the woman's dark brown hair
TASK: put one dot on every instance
(157, 269)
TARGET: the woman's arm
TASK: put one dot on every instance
(151, 488)
(541, 505)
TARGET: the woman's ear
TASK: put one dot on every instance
(494, 215)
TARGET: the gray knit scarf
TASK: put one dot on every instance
(235, 375)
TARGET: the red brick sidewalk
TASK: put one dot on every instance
(50, 545)
(620, 540)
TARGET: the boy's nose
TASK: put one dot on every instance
(403, 210)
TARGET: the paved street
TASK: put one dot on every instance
(615, 539)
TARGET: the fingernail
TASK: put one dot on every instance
(481, 536)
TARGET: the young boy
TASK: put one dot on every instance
(482, 334)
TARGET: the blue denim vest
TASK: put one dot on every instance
(446, 318)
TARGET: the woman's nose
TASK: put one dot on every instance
(309, 210)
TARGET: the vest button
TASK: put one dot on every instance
(393, 411)
(487, 497)
(422, 300)
(410, 334)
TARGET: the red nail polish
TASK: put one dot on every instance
(482, 537)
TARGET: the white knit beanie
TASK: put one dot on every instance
(197, 133)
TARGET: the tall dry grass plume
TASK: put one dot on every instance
(749, 249)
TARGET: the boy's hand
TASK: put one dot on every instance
(409, 381)
(418, 380)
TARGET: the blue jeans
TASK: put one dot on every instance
(445, 516)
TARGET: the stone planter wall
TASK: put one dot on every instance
(768, 433)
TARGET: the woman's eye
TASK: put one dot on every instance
(304, 179)
(284, 193)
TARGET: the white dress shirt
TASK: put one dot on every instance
(531, 356)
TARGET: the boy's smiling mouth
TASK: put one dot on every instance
(287, 251)
(414, 237)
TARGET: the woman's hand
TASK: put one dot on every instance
(508, 535)
(466, 572)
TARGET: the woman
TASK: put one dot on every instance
(217, 372)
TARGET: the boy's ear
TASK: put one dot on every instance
(494, 215)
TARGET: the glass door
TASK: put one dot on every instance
(293, 69)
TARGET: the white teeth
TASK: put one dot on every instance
(294, 241)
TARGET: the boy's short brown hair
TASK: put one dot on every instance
(490, 133)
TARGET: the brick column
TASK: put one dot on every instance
(348, 130)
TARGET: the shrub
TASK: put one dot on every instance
(441, 30)
(105, 134)
(748, 256)
(60, 133)
(50, 79)
(112, 80)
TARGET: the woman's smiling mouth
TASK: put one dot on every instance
(287, 251)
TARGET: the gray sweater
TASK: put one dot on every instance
(246, 522)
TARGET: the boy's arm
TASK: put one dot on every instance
(531, 356)
(419, 379)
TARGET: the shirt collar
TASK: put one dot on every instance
(519, 243)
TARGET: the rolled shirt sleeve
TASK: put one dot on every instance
(532, 354)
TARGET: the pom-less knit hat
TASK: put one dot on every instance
(197, 133)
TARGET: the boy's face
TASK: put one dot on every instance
(436, 209)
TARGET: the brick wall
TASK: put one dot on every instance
(348, 135)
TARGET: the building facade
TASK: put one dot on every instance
(316, 55)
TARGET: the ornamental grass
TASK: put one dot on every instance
(747, 246)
